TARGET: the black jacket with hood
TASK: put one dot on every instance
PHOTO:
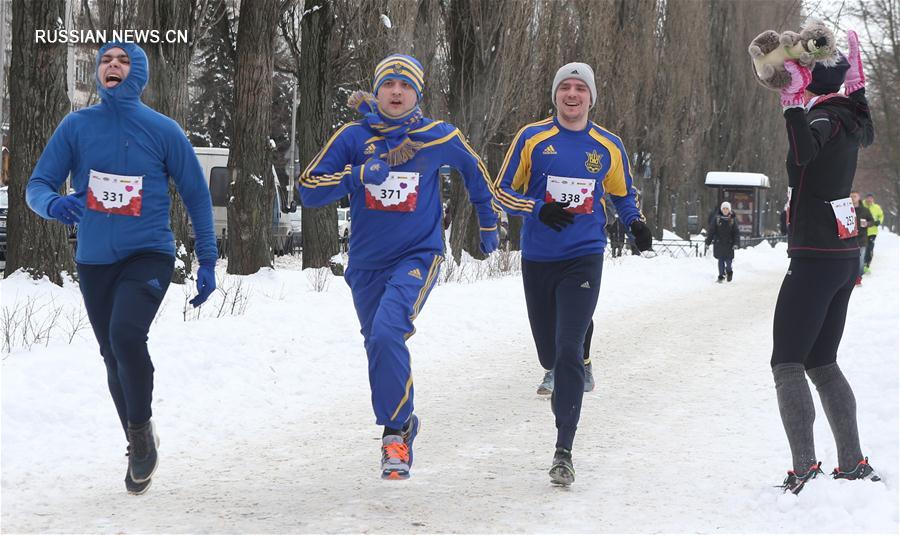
(821, 162)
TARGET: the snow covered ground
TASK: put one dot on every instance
(265, 422)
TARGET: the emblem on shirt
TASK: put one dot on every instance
(370, 149)
(415, 273)
(593, 161)
(549, 150)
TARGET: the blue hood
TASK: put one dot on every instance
(133, 84)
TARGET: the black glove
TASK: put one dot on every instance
(642, 237)
(555, 216)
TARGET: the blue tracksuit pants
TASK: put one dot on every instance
(561, 297)
(121, 301)
(387, 302)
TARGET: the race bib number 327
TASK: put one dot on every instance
(399, 193)
(115, 194)
(578, 192)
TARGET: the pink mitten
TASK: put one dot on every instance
(856, 77)
(792, 94)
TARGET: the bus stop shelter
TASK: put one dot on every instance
(744, 192)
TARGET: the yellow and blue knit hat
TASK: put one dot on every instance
(402, 67)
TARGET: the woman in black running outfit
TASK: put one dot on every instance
(825, 132)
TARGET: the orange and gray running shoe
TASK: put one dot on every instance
(862, 471)
(409, 432)
(394, 458)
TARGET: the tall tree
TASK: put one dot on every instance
(38, 103)
(212, 89)
(489, 45)
(314, 124)
(167, 93)
(250, 160)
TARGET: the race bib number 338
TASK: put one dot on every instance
(115, 194)
(399, 193)
(578, 192)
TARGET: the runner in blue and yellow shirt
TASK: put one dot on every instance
(556, 174)
(388, 163)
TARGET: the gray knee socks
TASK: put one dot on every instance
(797, 413)
(839, 405)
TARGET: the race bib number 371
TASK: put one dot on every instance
(399, 193)
(578, 192)
(115, 194)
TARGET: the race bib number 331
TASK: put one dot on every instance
(578, 192)
(115, 194)
(399, 193)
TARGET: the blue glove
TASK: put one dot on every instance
(206, 283)
(67, 209)
(490, 239)
(375, 171)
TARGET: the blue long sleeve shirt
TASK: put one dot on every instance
(547, 162)
(396, 220)
(122, 136)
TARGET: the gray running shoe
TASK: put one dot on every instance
(589, 377)
(546, 386)
(562, 472)
(394, 458)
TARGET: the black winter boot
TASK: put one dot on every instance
(142, 458)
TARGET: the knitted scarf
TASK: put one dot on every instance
(401, 149)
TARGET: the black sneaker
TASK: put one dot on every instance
(130, 485)
(562, 472)
(863, 470)
(721, 279)
(729, 275)
(795, 483)
(142, 460)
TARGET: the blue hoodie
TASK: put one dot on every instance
(123, 136)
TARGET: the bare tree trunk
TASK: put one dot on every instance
(320, 231)
(167, 93)
(489, 50)
(38, 103)
(250, 163)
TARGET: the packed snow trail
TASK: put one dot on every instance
(266, 425)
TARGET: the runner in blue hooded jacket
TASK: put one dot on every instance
(120, 154)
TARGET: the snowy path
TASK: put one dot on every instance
(269, 433)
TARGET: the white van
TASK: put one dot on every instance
(214, 162)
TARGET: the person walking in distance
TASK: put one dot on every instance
(723, 235)
(863, 222)
(872, 230)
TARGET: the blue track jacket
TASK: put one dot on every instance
(122, 136)
(382, 237)
(546, 150)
